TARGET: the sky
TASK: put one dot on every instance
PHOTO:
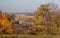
(23, 5)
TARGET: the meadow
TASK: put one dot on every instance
(27, 36)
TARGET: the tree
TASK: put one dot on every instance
(38, 23)
(43, 19)
(6, 24)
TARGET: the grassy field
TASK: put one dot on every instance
(27, 36)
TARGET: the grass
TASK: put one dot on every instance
(27, 36)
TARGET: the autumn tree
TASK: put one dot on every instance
(38, 23)
(5, 23)
(1, 17)
(43, 20)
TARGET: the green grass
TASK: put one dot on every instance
(27, 36)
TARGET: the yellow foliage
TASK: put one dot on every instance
(6, 24)
(54, 27)
(10, 31)
(36, 15)
(39, 21)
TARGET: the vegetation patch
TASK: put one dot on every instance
(27, 36)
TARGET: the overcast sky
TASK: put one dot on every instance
(23, 5)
